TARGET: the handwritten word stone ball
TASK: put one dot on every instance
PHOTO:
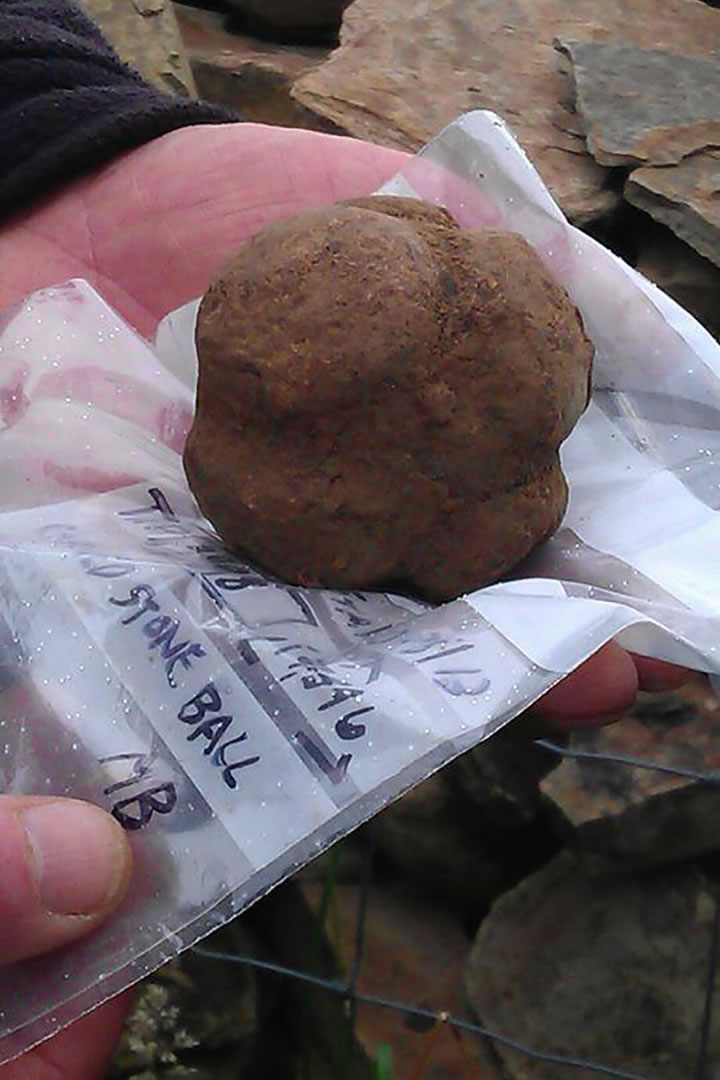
(381, 399)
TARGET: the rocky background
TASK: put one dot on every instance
(567, 902)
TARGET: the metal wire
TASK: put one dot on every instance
(635, 763)
(341, 987)
(347, 988)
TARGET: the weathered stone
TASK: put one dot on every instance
(642, 106)
(622, 816)
(413, 952)
(406, 68)
(145, 34)
(610, 970)
(427, 839)
(686, 276)
(499, 780)
(660, 109)
(473, 829)
(253, 77)
(686, 197)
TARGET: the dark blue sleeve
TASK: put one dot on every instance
(67, 102)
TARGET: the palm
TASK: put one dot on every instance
(149, 231)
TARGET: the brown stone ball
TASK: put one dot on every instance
(381, 399)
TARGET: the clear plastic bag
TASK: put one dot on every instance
(237, 726)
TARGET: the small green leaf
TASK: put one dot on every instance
(383, 1062)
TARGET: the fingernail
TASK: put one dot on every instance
(79, 856)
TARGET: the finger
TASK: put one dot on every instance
(65, 866)
(655, 676)
(81, 1052)
(598, 692)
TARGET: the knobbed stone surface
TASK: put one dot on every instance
(406, 68)
(145, 34)
(644, 105)
(685, 197)
(454, 381)
(608, 970)
(626, 817)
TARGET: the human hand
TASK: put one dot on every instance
(65, 867)
(149, 232)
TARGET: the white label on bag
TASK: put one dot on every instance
(281, 705)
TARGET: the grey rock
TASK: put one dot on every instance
(622, 817)
(685, 197)
(643, 106)
(473, 829)
(611, 971)
(405, 68)
(658, 108)
(145, 35)
(427, 839)
(499, 780)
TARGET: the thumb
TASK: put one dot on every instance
(65, 865)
